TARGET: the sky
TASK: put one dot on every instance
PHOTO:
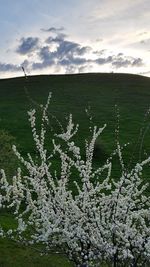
(74, 36)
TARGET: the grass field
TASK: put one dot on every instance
(72, 94)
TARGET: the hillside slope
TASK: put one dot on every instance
(72, 94)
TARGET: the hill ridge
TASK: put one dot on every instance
(100, 74)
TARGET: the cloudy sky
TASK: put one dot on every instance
(73, 36)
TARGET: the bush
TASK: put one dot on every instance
(106, 221)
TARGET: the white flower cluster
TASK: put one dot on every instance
(103, 221)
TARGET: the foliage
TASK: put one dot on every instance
(105, 221)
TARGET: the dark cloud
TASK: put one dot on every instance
(73, 61)
(45, 54)
(4, 67)
(53, 29)
(120, 54)
(67, 53)
(27, 45)
(99, 52)
(104, 60)
(137, 62)
(60, 52)
(127, 62)
(73, 56)
(120, 61)
(47, 59)
(66, 48)
(85, 68)
(58, 39)
(83, 50)
(40, 65)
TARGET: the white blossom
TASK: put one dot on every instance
(104, 220)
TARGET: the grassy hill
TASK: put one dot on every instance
(72, 94)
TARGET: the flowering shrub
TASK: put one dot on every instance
(104, 221)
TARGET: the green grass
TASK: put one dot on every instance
(17, 255)
(72, 94)
(13, 254)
